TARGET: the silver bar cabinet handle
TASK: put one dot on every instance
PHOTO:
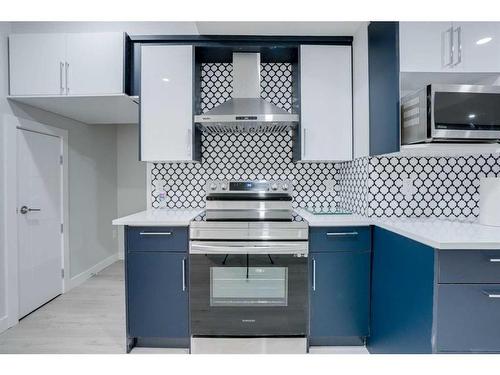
(495, 260)
(314, 274)
(341, 234)
(66, 75)
(459, 47)
(155, 233)
(452, 47)
(61, 87)
(303, 142)
(492, 294)
(184, 274)
(189, 141)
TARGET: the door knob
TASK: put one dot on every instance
(24, 210)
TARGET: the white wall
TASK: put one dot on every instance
(360, 92)
(92, 186)
(4, 31)
(131, 174)
(95, 196)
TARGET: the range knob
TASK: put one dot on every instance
(223, 186)
(274, 187)
(213, 186)
(284, 187)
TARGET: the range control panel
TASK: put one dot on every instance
(271, 186)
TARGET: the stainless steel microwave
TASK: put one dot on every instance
(440, 113)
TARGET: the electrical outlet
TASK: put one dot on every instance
(407, 187)
(330, 186)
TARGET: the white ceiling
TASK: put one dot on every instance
(208, 28)
(278, 28)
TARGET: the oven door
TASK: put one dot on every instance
(248, 289)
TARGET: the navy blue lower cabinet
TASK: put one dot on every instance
(157, 298)
(402, 295)
(340, 286)
(432, 301)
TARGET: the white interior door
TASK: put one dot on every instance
(39, 187)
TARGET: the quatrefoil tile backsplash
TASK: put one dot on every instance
(441, 186)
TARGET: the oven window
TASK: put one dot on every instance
(248, 286)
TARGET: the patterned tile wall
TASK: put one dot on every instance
(246, 156)
(440, 186)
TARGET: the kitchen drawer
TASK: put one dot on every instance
(339, 239)
(469, 266)
(157, 239)
(468, 318)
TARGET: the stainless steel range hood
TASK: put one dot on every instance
(246, 112)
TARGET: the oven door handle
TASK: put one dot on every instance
(300, 249)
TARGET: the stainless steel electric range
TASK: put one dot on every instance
(248, 262)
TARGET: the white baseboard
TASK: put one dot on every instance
(85, 275)
(3, 324)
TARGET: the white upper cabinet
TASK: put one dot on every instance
(95, 63)
(37, 64)
(326, 102)
(425, 46)
(166, 117)
(480, 46)
(471, 47)
(66, 64)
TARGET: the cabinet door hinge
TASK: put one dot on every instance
(60, 159)
(62, 228)
(62, 273)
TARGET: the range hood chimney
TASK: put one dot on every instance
(246, 112)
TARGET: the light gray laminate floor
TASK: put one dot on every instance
(90, 319)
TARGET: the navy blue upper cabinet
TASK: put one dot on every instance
(383, 69)
(340, 285)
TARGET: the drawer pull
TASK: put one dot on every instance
(155, 233)
(495, 260)
(342, 234)
(492, 294)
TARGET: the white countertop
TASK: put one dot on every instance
(160, 217)
(436, 233)
(334, 220)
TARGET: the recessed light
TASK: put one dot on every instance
(165, 79)
(484, 40)
(472, 115)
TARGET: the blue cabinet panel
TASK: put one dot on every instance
(157, 239)
(328, 239)
(469, 266)
(402, 295)
(340, 296)
(468, 318)
(157, 299)
(383, 68)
